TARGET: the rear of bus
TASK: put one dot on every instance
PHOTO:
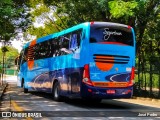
(109, 72)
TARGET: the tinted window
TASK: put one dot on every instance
(42, 50)
(61, 45)
(101, 33)
(75, 39)
(24, 57)
(30, 54)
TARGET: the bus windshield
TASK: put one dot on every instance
(100, 33)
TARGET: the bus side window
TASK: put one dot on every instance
(47, 45)
(31, 52)
(42, 50)
(79, 37)
(36, 51)
(75, 39)
(56, 47)
(18, 60)
(64, 50)
(66, 41)
(24, 57)
(52, 47)
(20, 57)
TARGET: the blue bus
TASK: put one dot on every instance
(92, 61)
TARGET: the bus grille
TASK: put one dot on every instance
(116, 59)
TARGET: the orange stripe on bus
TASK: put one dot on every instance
(104, 57)
(105, 66)
(30, 64)
(33, 42)
(30, 54)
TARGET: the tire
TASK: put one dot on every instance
(25, 90)
(55, 92)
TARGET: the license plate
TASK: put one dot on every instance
(111, 91)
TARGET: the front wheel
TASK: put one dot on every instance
(25, 90)
(55, 92)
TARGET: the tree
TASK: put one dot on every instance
(10, 55)
(11, 14)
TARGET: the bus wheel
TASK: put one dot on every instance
(55, 92)
(25, 90)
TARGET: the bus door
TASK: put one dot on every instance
(74, 82)
(74, 46)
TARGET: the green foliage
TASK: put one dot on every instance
(10, 56)
(147, 77)
(143, 15)
(6, 13)
(13, 15)
(40, 31)
(119, 8)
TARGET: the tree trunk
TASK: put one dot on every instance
(145, 81)
(150, 69)
(139, 59)
(159, 84)
(150, 85)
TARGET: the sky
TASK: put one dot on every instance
(17, 44)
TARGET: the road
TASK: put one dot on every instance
(41, 105)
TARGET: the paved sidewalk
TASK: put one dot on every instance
(2, 88)
(8, 79)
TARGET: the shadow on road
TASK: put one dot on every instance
(105, 104)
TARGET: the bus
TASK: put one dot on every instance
(92, 61)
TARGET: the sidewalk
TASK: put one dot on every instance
(7, 80)
(2, 89)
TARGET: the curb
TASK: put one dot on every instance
(149, 99)
(2, 90)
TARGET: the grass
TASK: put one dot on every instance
(146, 76)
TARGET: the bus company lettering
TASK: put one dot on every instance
(107, 33)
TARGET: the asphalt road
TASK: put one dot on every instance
(40, 106)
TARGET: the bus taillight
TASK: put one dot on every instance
(91, 23)
(132, 73)
(132, 77)
(86, 76)
(129, 27)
